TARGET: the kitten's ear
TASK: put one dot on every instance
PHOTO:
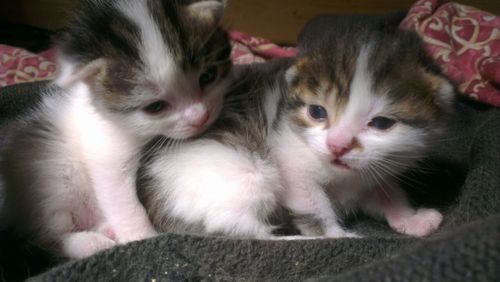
(86, 73)
(444, 91)
(208, 13)
(291, 74)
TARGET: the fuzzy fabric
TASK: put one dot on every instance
(462, 180)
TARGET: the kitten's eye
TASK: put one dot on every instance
(317, 112)
(156, 107)
(207, 77)
(382, 123)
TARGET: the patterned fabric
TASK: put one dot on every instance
(249, 49)
(18, 65)
(465, 41)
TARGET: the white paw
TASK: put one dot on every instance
(420, 224)
(80, 245)
(138, 234)
(339, 233)
(297, 237)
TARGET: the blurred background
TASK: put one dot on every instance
(277, 20)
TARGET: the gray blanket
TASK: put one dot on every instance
(462, 179)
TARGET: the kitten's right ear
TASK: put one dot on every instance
(291, 74)
(208, 13)
(445, 94)
(86, 73)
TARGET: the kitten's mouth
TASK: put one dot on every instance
(340, 164)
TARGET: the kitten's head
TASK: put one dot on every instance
(153, 66)
(370, 104)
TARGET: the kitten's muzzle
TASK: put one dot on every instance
(338, 152)
(197, 115)
(199, 120)
(339, 163)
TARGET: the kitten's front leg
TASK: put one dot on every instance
(116, 195)
(391, 202)
(306, 198)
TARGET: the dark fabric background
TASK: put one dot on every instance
(462, 179)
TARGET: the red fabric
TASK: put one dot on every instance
(465, 41)
(252, 49)
(18, 66)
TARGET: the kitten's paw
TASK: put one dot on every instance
(137, 234)
(297, 237)
(420, 224)
(80, 245)
(340, 233)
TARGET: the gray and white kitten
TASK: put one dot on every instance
(224, 182)
(325, 134)
(131, 70)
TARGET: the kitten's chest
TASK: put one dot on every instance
(89, 134)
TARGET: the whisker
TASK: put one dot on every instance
(378, 179)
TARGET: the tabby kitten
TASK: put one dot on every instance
(364, 104)
(131, 70)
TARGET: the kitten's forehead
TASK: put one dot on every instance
(324, 80)
(357, 79)
(155, 53)
(150, 34)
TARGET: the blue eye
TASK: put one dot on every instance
(382, 123)
(317, 112)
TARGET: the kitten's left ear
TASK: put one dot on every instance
(208, 13)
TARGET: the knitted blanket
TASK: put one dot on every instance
(462, 179)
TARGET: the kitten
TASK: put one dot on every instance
(224, 182)
(131, 70)
(365, 104)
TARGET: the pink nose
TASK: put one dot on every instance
(339, 150)
(199, 119)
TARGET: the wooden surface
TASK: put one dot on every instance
(49, 14)
(282, 20)
(278, 20)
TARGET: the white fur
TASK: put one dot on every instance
(223, 189)
(155, 54)
(304, 176)
(65, 72)
(78, 189)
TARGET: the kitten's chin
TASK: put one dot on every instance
(191, 132)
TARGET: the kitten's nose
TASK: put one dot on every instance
(197, 115)
(200, 120)
(338, 150)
